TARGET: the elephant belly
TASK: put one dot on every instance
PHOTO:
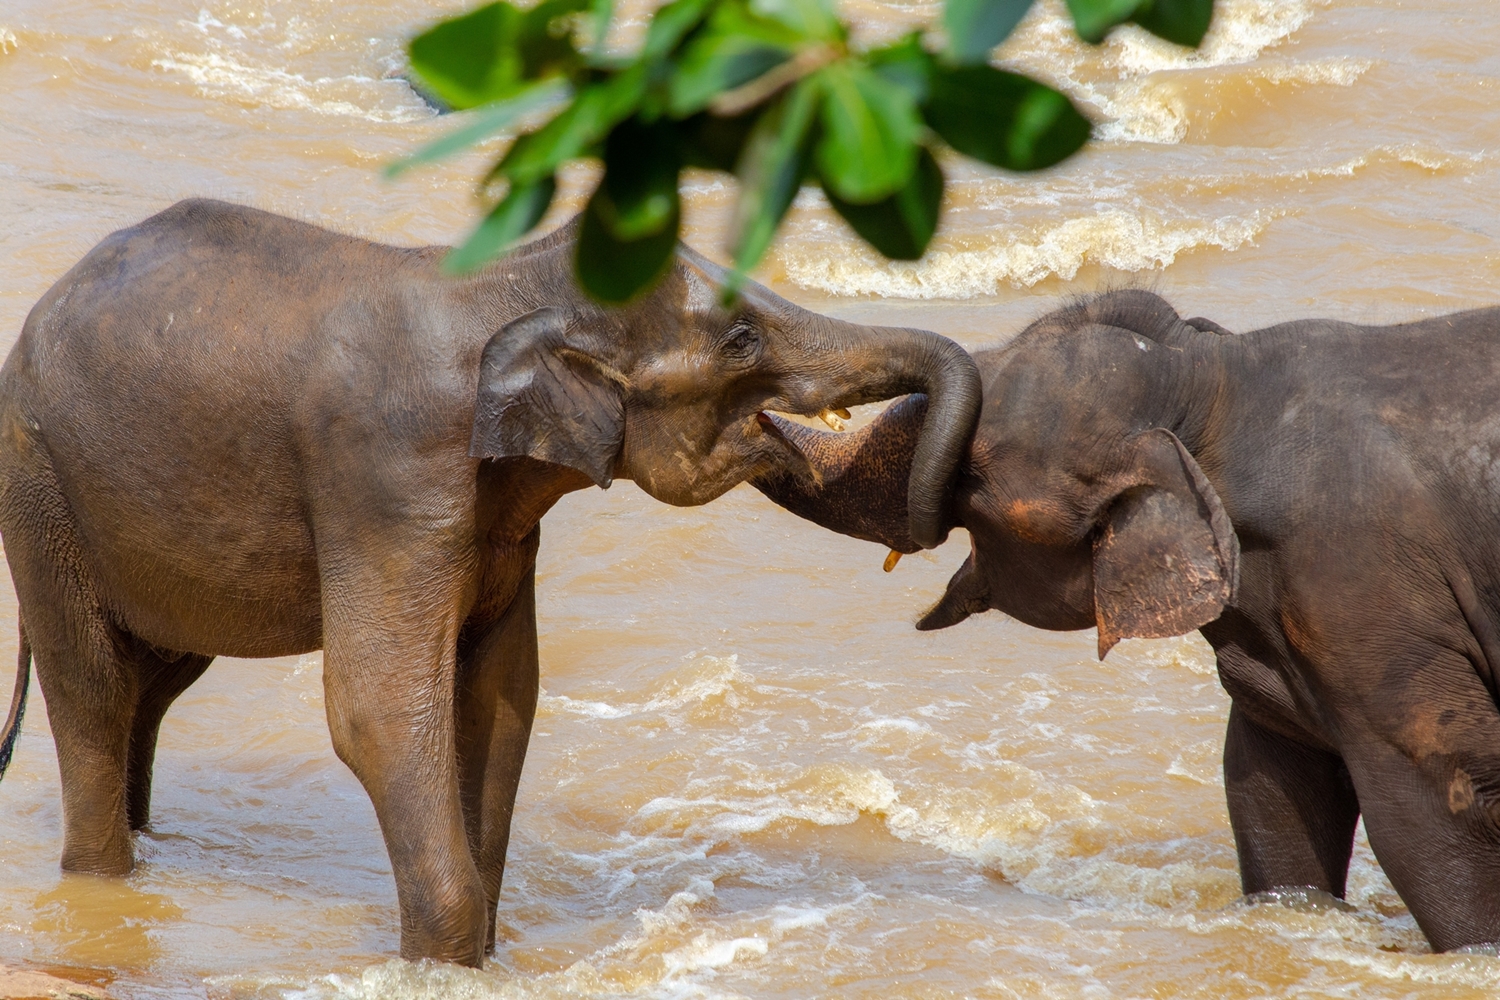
(189, 607)
(194, 555)
(221, 589)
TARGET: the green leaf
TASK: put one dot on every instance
(975, 27)
(485, 122)
(471, 59)
(522, 209)
(901, 225)
(714, 143)
(600, 12)
(1182, 21)
(596, 110)
(906, 64)
(614, 270)
(638, 195)
(544, 37)
(716, 62)
(1094, 18)
(1004, 119)
(870, 131)
(812, 19)
(671, 24)
(771, 169)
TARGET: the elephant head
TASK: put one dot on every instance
(672, 391)
(1084, 507)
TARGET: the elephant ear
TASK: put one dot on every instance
(544, 397)
(1166, 558)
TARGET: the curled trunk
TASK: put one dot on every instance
(831, 363)
(884, 362)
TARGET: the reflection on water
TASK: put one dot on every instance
(750, 777)
(107, 922)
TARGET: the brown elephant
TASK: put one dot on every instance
(227, 432)
(1321, 500)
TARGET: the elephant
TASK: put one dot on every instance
(1320, 500)
(225, 432)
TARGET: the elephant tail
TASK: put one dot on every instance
(17, 700)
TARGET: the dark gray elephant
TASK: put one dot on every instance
(226, 432)
(1320, 500)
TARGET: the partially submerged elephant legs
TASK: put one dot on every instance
(229, 433)
(1320, 500)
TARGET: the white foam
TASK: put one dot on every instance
(1341, 71)
(1131, 241)
(911, 726)
(706, 953)
(1122, 79)
(1154, 109)
(1240, 32)
(677, 910)
(1428, 158)
(1200, 763)
(218, 75)
(706, 678)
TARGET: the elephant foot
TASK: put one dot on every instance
(447, 923)
(417, 947)
(98, 861)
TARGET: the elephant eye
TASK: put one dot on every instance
(741, 343)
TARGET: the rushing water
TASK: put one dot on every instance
(750, 777)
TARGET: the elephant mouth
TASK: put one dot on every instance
(770, 425)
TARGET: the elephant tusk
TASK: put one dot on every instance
(891, 560)
(831, 418)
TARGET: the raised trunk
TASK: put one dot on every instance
(859, 479)
(845, 364)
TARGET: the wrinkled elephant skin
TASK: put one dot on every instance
(1321, 500)
(228, 433)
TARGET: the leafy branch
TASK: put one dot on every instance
(769, 90)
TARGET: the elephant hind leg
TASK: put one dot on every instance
(162, 678)
(83, 665)
(1293, 809)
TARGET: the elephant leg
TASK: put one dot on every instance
(160, 682)
(1427, 765)
(497, 692)
(1292, 807)
(82, 665)
(390, 631)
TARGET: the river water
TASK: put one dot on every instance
(750, 777)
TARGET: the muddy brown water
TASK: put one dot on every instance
(750, 777)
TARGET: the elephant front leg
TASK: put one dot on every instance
(389, 674)
(497, 693)
(1292, 807)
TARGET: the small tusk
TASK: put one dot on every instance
(843, 412)
(891, 560)
(831, 418)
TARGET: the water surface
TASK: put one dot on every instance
(750, 777)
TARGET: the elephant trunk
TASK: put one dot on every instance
(888, 361)
(858, 482)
